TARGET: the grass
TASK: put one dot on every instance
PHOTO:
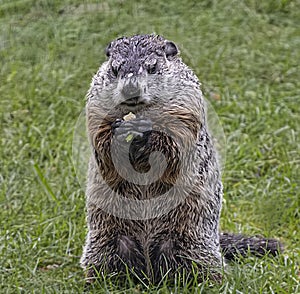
(246, 53)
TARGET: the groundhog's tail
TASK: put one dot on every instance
(234, 245)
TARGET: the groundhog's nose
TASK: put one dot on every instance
(131, 91)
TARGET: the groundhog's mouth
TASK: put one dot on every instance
(128, 106)
(132, 104)
(136, 100)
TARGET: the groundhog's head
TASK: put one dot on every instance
(141, 71)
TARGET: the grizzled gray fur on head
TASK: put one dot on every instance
(144, 74)
(139, 53)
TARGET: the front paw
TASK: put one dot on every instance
(125, 131)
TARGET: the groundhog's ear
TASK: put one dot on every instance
(170, 49)
(108, 49)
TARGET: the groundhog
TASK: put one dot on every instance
(154, 189)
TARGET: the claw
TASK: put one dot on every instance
(116, 124)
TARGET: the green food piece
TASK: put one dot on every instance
(129, 138)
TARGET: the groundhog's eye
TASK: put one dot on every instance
(115, 71)
(152, 67)
(115, 68)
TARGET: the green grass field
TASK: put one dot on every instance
(246, 54)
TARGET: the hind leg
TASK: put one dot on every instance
(111, 253)
(178, 255)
